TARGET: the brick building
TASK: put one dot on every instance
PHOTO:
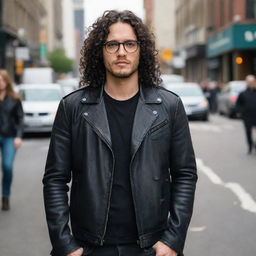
(192, 18)
(19, 26)
(160, 19)
(231, 47)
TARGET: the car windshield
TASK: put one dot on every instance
(40, 94)
(237, 87)
(172, 79)
(186, 91)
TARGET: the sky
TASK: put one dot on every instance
(95, 8)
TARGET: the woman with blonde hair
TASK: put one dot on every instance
(11, 128)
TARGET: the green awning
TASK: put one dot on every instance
(236, 37)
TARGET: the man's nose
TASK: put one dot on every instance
(121, 50)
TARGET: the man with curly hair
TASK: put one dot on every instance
(125, 143)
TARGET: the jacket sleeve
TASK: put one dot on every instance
(19, 119)
(184, 178)
(57, 175)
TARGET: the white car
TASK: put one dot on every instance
(193, 99)
(68, 85)
(172, 78)
(40, 103)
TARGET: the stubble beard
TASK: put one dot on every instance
(122, 75)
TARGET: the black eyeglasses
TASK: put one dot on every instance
(130, 46)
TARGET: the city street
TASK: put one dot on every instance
(224, 217)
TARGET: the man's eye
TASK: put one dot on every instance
(112, 44)
(130, 44)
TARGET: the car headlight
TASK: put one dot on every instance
(204, 104)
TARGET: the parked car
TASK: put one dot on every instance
(68, 85)
(40, 103)
(228, 96)
(194, 101)
(172, 78)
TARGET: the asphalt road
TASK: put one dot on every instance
(224, 217)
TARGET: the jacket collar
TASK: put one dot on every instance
(145, 115)
(94, 95)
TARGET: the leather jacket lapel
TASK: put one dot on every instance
(96, 116)
(143, 120)
(144, 117)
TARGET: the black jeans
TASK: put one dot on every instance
(118, 250)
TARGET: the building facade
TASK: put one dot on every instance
(192, 19)
(217, 37)
(161, 20)
(68, 29)
(231, 46)
(20, 23)
(53, 24)
(79, 23)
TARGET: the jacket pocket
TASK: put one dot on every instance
(159, 130)
(149, 251)
(88, 250)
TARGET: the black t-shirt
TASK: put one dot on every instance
(121, 228)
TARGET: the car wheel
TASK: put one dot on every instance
(232, 114)
(205, 118)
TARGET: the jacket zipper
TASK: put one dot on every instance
(109, 198)
(111, 183)
(158, 126)
(133, 198)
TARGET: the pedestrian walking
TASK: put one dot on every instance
(125, 143)
(11, 126)
(212, 90)
(246, 105)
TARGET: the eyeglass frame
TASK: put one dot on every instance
(123, 43)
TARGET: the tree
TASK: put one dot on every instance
(60, 62)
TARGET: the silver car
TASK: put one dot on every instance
(228, 96)
(40, 103)
(194, 101)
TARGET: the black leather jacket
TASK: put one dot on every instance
(162, 170)
(11, 117)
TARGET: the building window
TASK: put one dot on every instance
(222, 12)
(251, 9)
(231, 10)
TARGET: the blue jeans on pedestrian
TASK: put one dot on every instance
(8, 153)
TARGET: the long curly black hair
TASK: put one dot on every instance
(92, 67)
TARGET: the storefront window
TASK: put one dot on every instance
(251, 9)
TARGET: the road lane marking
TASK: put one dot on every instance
(197, 229)
(246, 200)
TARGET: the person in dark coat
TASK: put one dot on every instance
(11, 126)
(246, 106)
